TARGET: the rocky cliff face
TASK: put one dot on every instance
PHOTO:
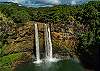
(18, 42)
(22, 41)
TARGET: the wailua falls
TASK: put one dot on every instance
(49, 35)
(48, 44)
(37, 44)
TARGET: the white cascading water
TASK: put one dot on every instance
(48, 43)
(37, 44)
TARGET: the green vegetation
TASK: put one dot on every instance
(82, 22)
(6, 61)
(11, 52)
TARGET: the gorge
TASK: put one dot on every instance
(58, 38)
(48, 63)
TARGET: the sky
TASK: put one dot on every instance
(45, 2)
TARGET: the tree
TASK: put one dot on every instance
(20, 16)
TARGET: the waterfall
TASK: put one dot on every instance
(37, 44)
(48, 43)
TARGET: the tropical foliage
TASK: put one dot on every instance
(84, 20)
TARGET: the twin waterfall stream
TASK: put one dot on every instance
(48, 44)
(48, 62)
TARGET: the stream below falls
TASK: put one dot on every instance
(61, 65)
